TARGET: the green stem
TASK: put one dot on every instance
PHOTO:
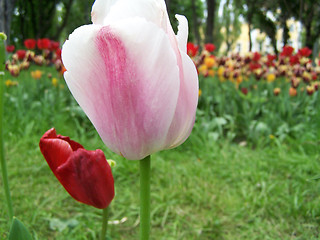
(2, 160)
(105, 217)
(145, 198)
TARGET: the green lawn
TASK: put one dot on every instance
(204, 189)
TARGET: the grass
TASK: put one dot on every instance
(205, 189)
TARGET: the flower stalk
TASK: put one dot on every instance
(145, 198)
(105, 218)
(2, 159)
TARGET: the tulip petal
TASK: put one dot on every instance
(184, 117)
(182, 35)
(87, 177)
(130, 98)
(55, 151)
(105, 12)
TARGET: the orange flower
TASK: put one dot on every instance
(209, 62)
(36, 74)
(292, 92)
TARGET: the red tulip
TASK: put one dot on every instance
(54, 45)
(294, 59)
(30, 43)
(21, 54)
(10, 48)
(304, 52)
(192, 49)
(256, 56)
(287, 51)
(43, 43)
(210, 47)
(86, 175)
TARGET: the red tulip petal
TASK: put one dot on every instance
(74, 145)
(56, 151)
(87, 177)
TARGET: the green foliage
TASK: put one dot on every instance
(210, 187)
(256, 116)
(18, 231)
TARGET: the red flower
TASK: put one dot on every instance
(210, 47)
(244, 91)
(54, 45)
(287, 51)
(294, 59)
(86, 175)
(192, 49)
(256, 56)
(21, 54)
(58, 53)
(30, 43)
(271, 57)
(43, 43)
(253, 66)
(304, 52)
(10, 48)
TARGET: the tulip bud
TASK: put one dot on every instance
(310, 90)
(276, 91)
(292, 92)
(86, 175)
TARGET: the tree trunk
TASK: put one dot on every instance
(249, 34)
(65, 20)
(195, 23)
(309, 38)
(211, 7)
(6, 11)
(285, 34)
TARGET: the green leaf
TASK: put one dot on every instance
(18, 231)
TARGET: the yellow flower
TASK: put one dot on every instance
(54, 82)
(220, 71)
(209, 62)
(271, 77)
(10, 83)
(203, 69)
(200, 92)
(239, 79)
(36, 74)
(272, 137)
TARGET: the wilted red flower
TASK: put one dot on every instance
(30, 43)
(210, 47)
(86, 175)
(304, 52)
(256, 56)
(21, 54)
(192, 49)
(287, 51)
(43, 43)
(10, 48)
